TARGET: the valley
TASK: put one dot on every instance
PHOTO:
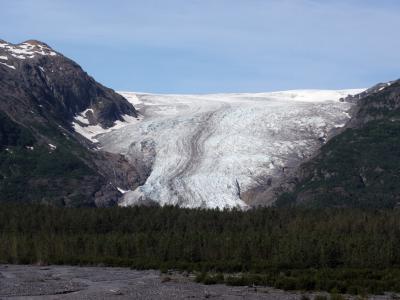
(200, 150)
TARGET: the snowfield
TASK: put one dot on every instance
(206, 150)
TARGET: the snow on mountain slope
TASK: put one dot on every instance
(205, 150)
(90, 131)
(28, 49)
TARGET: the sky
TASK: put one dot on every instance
(208, 46)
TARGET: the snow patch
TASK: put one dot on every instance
(131, 97)
(91, 131)
(386, 85)
(122, 191)
(52, 147)
(82, 117)
(3, 57)
(7, 65)
(27, 50)
(18, 56)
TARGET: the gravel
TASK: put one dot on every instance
(67, 282)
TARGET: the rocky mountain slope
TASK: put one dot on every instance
(360, 167)
(43, 95)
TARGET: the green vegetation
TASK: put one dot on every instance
(358, 168)
(38, 174)
(334, 250)
(12, 134)
(30, 171)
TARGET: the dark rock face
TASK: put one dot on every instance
(360, 167)
(42, 159)
(36, 78)
(372, 90)
(382, 103)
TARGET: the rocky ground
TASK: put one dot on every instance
(66, 282)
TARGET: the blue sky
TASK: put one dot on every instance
(202, 46)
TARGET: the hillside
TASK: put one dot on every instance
(42, 158)
(360, 167)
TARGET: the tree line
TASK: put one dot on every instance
(294, 248)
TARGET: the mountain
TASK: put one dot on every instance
(36, 77)
(216, 150)
(44, 97)
(360, 167)
(67, 140)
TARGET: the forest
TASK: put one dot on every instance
(342, 250)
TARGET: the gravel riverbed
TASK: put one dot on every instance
(71, 282)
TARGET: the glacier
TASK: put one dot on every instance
(207, 150)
